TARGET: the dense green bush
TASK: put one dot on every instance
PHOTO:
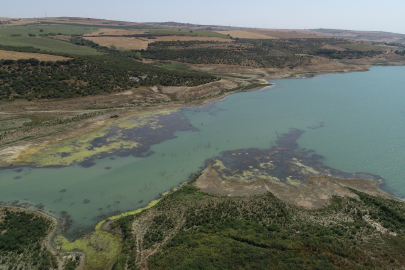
(262, 232)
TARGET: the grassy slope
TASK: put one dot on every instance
(48, 44)
(35, 29)
(262, 232)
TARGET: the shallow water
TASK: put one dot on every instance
(354, 120)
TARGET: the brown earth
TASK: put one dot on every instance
(317, 193)
(11, 55)
(16, 21)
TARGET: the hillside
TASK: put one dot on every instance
(190, 229)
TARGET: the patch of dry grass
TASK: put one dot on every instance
(124, 42)
(11, 55)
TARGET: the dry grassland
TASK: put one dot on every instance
(10, 55)
(282, 33)
(124, 42)
(17, 21)
(142, 43)
(245, 34)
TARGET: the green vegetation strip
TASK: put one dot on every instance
(48, 45)
(262, 232)
(43, 29)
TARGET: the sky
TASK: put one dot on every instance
(282, 14)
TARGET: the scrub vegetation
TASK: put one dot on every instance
(189, 229)
(22, 243)
(84, 76)
(45, 45)
(279, 53)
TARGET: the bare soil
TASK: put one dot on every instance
(317, 193)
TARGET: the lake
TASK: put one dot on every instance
(355, 121)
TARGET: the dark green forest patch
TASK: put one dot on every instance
(84, 76)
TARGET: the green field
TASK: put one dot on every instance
(188, 33)
(48, 44)
(53, 28)
(362, 47)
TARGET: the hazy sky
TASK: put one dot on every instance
(386, 15)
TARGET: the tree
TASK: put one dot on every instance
(41, 30)
(138, 55)
(113, 47)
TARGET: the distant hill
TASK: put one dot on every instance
(365, 36)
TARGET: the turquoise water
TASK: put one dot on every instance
(363, 131)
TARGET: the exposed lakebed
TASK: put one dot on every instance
(350, 122)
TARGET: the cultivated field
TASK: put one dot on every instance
(48, 44)
(124, 42)
(245, 34)
(10, 55)
(46, 29)
(142, 43)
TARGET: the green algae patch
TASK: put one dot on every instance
(150, 205)
(101, 248)
(145, 118)
(124, 135)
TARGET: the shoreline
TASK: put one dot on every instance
(9, 155)
(103, 225)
